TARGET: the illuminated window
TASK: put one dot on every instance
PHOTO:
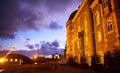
(86, 27)
(79, 28)
(86, 31)
(86, 39)
(99, 34)
(97, 18)
(109, 26)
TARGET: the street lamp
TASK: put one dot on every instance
(35, 57)
(1, 60)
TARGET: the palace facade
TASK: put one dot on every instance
(93, 30)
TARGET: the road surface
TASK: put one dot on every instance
(43, 68)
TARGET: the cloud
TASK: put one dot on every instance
(27, 42)
(55, 43)
(49, 47)
(54, 25)
(45, 47)
(0, 46)
(25, 15)
(37, 45)
(30, 46)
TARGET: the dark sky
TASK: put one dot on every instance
(26, 15)
(41, 20)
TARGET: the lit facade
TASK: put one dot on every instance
(93, 30)
(80, 44)
(106, 26)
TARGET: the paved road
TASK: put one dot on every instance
(43, 68)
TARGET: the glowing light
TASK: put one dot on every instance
(35, 62)
(1, 60)
(16, 60)
(35, 57)
(11, 60)
(11, 49)
(6, 60)
(8, 53)
(1, 70)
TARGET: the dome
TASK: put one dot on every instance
(72, 15)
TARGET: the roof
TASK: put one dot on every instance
(72, 15)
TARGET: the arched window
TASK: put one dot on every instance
(86, 28)
(97, 18)
(99, 34)
(86, 32)
(79, 28)
(109, 26)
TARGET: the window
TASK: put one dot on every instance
(97, 18)
(106, 6)
(105, 3)
(90, 1)
(99, 34)
(79, 28)
(109, 26)
(86, 32)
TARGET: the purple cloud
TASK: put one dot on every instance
(30, 46)
(0, 46)
(37, 45)
(55, 43)
(27, 43)
(25, 15)
(54, 25)
(49, 47)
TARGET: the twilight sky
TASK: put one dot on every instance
(34, 24)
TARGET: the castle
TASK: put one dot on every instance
(93, 30)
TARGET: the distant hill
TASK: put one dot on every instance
(32, 52)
